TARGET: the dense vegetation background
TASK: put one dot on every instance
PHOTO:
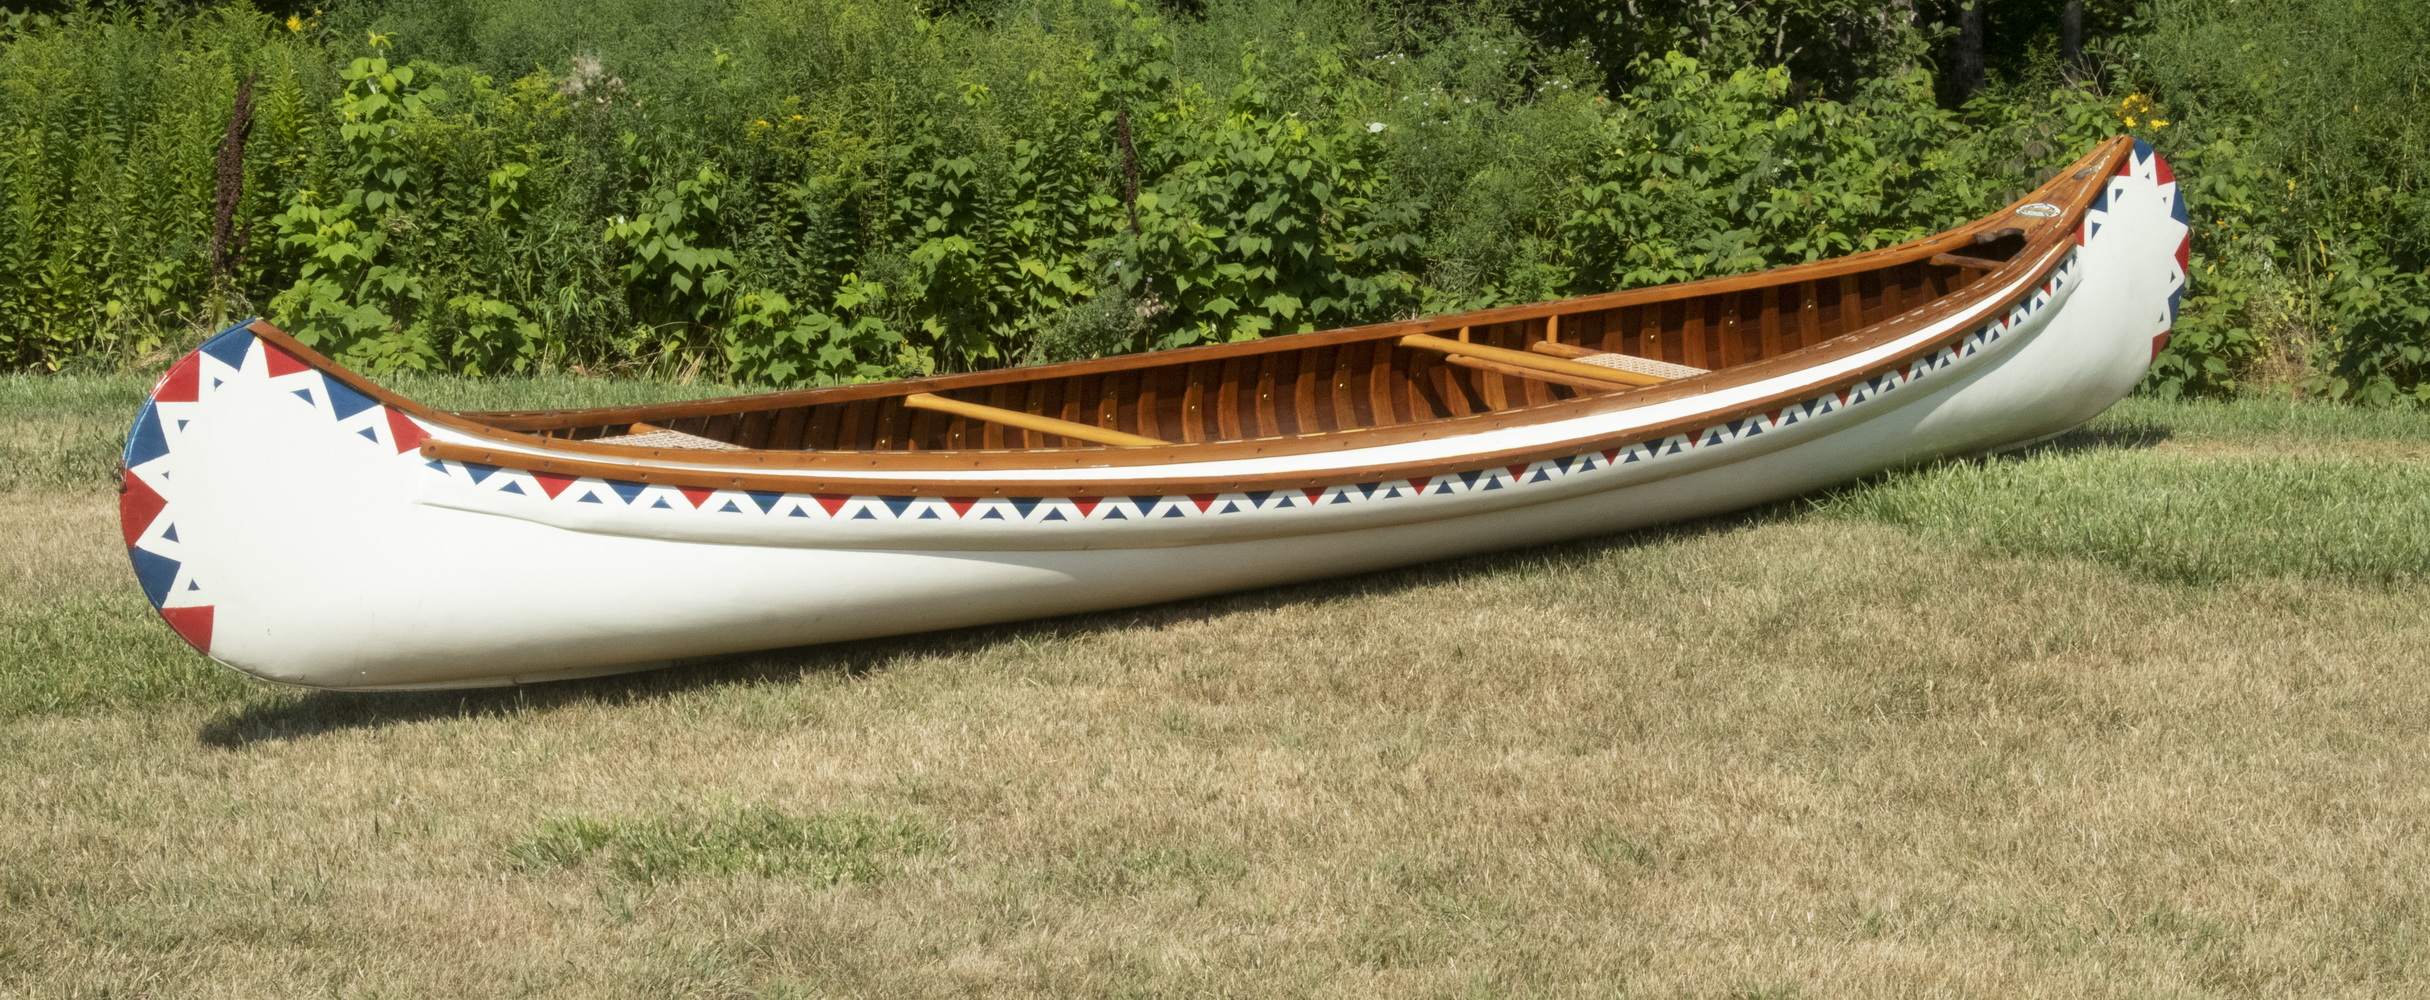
(818, 190)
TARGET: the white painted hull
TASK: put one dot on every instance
(289, 527)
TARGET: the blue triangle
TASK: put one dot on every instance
(368, 435)
(662, 504)
(511, 487)
(1113, 513)
(181, 425)
(1257, 498)
(1493, 484)
(436, 464)
(729, 508)
(928, 514)
(156, 572)
(992, 513)
(1470, 478)
(1052, 515)
(216, 382)
(170, 534)
(1566, 463)
(1541, 476)
(345, 400)
(766, 499)
(1025, 504)
(629, 491)
(1145, 504)
(798, 512)
(1342, 497)
(146, 442)
(897, 504)
(1444, 488)
(193, 585)
(229, 346)
(1367, 489)
(1175, 512)
(479, 471)
(1229, 508)
(591, 497)
(304, 394)
(864, 515)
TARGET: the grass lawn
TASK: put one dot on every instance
(2139, 714)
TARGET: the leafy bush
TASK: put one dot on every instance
(802, 193)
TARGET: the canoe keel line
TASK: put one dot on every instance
(300, 524)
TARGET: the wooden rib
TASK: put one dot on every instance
(1194, 405)
(1523, 359)
(1268, 411)
(822, 427)
(1733, 347)
(1381, 380)
(1044, 395)
(1303, 418)
(1552, 328)
(1809, 316)
(929, 401)
(1345, 394)
(1228, 401)
(1768, 331)
(1532, 375)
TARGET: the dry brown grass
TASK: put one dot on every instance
(1783, 755)
(1787, 758)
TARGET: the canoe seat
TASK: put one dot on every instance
(1642, 366)
(649, 436)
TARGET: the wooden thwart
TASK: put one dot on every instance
(1514, 371)
(1970, 263)
(1028, 421)
(1532, 362)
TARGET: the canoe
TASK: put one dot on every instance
(300, 524)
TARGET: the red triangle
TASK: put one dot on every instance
(960, 505)
(1313, 492)
(409, 435)
(1517, 471)
(695, 494)
(2159, 344)
(192, 624)
(826, 501)
(1773, 417)
(281, 362)
(1202, 500)
(1419, 484)
(1611, 456)
(181, 382)
(137, 506)
(1843, 396)
(1086, 504)
(2185, 257)
(556, 484)
(2160, 167)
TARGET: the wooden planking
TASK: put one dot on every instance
(1268, 405)
(823, 420)
(1383, 376)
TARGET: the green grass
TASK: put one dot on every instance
(2131, 714)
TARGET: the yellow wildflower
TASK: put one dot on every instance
(295, 23)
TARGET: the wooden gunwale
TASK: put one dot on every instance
(1131, 470)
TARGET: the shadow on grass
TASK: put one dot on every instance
(298, 717)
(2124, 435)
(290, 717)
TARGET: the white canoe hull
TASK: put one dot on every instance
(289, 527)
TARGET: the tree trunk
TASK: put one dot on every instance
(2071, 40)
(1969, 75)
